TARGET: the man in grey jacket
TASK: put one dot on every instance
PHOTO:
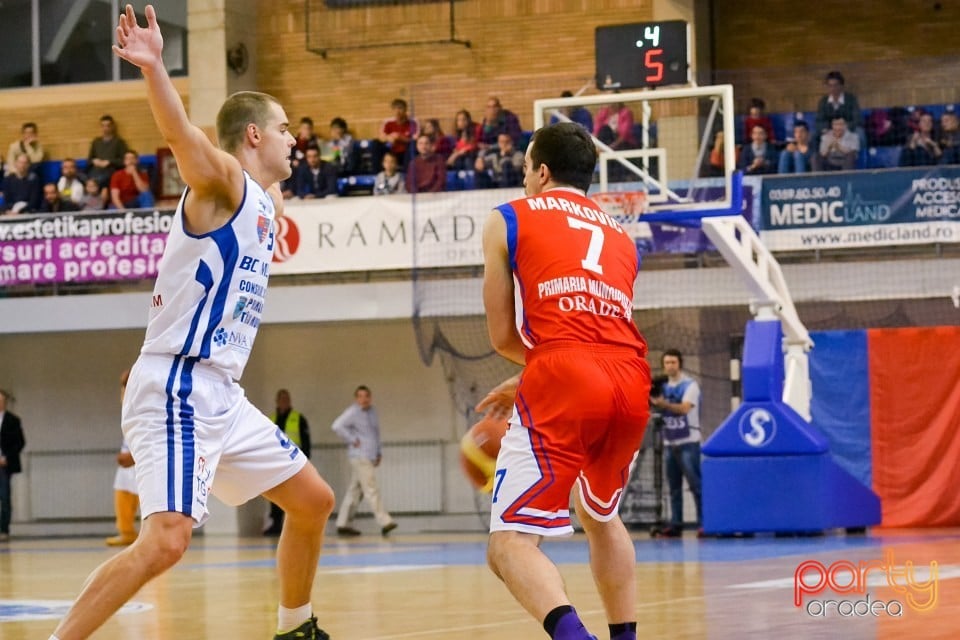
(359, 427)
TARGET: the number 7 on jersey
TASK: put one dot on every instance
(592, 261)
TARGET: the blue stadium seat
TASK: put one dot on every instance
(453, 182)
(524, 140)
(50, 171)
(780, 129)
(468, 179)
(883, 157)
(356, 185)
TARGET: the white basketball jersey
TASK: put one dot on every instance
(209, 294)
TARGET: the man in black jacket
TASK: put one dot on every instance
(11, 444)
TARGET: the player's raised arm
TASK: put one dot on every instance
(210, 172)
(498, 299)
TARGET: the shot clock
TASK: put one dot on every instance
(642, 55)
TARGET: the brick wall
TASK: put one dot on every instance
(892, 52)
(551, 41)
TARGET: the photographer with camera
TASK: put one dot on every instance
(678, 401)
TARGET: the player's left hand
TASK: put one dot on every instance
(140, 46)
(498, 403)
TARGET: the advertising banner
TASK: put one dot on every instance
(861, 209)
(102, 246)
(382, 232)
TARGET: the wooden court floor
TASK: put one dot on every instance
(437, 586)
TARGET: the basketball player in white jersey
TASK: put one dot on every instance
(188, 423)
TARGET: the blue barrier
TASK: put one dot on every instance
(766, 469)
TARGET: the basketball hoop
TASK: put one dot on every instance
(625, 206)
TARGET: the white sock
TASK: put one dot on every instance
(290, 619)
(54, 638)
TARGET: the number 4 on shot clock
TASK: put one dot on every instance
(642, 55)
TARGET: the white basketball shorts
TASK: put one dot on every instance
(192, 432)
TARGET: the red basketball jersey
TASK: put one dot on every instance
(575, 267)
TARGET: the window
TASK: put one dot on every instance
(69, 41)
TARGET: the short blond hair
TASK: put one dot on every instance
(239, 110)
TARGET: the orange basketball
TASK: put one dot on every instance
(478, 452)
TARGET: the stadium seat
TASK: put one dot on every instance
(780, 129)
(524, 140)
(453, 182)
(50, 171)
(883, 157)
(356, 185)
(468, 179)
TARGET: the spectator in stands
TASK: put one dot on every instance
(53, 202)
(880, 129)
(468, 136)
(315, 178)
(614, 126)
(838, 148)
(70, 184)
(922, 148)
(950, 137)
(838, 103)
(757, 118)
(305, 138)
(397, 132)
(94, 197)
(130, 186)
(500, 167)
(106, 152)
(442, 144)
(390, 180)
(28, 144)
(758, 157)
(498, 120)
(21, 187)
(427, 171)
(340, 150)
(797, 156)
(580, 115)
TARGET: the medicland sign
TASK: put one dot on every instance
(861, 209)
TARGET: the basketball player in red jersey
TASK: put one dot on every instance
(579, 408)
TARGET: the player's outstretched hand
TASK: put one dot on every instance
(498, 404)
(138, 45)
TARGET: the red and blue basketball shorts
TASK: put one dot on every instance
(578, 419)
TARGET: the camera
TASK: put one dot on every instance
(656, 385)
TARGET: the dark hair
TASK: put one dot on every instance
(567, 149)
(469, 131)
(398, 102)
(306, 120)
(758, 103)
(437, 129)
(566, 94)
(834, 75)
(106, 118)
(802, 124)
(339, 122)
(362, 387)
(29, 125)
(675, 353)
